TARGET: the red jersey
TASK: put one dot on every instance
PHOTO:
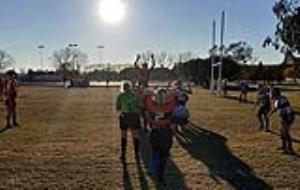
(11, 89)
(161, 113)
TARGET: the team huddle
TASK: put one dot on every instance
(163, 111)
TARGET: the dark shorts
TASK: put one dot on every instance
(11, 105)
(161, 138)
(288, 120)
(180, 120)
(263, 109)
(130, 121)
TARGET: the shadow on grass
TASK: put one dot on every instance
(211, 149)
(174, 178)
(126, 178)
(295, 140)
(297, 113)
(4, 129)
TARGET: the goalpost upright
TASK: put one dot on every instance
(213, 53)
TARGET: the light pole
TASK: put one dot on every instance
(221, 53)
(100, 48)
(73, 46)
(41, 48)
(213, 60)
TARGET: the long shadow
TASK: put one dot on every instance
(174, 178)
(142, 178)
(4, 129)
(295, 140)
(297, 113)
(211, 149)
(126, 178)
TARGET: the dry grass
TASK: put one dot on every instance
(69, 139)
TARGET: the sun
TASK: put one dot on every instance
(112, 11)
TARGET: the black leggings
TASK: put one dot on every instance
(161, 143)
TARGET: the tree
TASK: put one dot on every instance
(69, 61)
(185, 56)
(240, 52)
(199, 70)
(69, 58)
(161, 59)
(5, 60)
(287, 33)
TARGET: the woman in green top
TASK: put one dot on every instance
(128, 107)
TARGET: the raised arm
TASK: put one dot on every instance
(153, 62)
(138, 57)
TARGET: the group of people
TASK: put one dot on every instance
(163, 109)
(164, 112)
(265, 95)
(8, 91)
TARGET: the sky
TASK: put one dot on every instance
(172, 26)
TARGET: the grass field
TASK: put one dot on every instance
(69, 139)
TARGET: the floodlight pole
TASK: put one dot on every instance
(213, 60)
(41, 48)
(221, 54)
(101, 47)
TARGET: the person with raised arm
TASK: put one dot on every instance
(143, 73)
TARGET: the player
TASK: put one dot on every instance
(263, 103)
(287, 116)
(143, 73)
(128, 106)
(10, 95)
(161, 134)
(244, 91)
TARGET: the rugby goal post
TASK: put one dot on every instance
(216, 85)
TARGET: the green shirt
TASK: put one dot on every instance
(128, 102)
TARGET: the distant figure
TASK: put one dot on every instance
(287, 116)
(10, 96)
(263, 102)
(143, 73)
(107, 82)
(224, 87)
(128, 106)
(244, 91)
